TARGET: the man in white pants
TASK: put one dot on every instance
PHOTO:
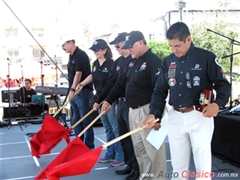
(187, 73)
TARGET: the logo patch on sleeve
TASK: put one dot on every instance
(216, 61)
(158, 72)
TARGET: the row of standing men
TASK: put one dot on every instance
(138, 83)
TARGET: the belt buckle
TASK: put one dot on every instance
(181, 109)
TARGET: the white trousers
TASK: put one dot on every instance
(152, 162)
(186, 132)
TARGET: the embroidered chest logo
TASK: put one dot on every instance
(197, 67)
(171, 81)
(172, 70)
(196, 81)
(173, 65)
(73, 61)
(143, 66)
(94, 68)
(188, 83)
(131, 64)
(105, 70)
(117, 68)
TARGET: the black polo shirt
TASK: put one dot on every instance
(79, 61)
(118, 67)
(186, 77)
(138, 82)
(28, 95)
(100, 74)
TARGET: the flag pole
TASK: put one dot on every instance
(126, 135)
(66, 102)
(83, 131)
(86, 115)
(60, 109)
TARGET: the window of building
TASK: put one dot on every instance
(38, 53)
(151, 36)
(38, 32)
(13, 53)
(11, 32)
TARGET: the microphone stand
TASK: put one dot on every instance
(232, 42)
(23, 93)
(231, 62)
(42, 84)
(56, 85)
(9, 97)
(42, 75)
(56, 98)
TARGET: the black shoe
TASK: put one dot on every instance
(126, 170)
(133, 176)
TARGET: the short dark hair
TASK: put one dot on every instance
(179, 31)
(29, 80)
(72, 41)
(108, 54)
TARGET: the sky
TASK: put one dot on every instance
(68, 16)
(100, 14)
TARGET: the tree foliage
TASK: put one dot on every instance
(161, 49)
(219, 45)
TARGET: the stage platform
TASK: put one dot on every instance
(17, 163)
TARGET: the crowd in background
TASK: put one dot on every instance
(4, 83)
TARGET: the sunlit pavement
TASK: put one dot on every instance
(17, 163)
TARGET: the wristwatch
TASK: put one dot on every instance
(80, 85)
(72, 89)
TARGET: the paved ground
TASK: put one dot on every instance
(16, 162)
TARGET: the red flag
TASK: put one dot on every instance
(48, 136)
(79, 165)
(74, 149)
(77, 158)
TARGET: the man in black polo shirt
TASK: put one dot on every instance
(26, 92)
(120, 66)
(78, 70)
(138, 83)
(186, 73)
